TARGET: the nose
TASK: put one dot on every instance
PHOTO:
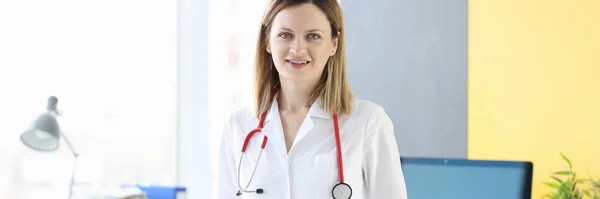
(298, 46)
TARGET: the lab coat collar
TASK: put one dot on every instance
(316, 110)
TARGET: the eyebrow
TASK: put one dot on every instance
(311, 30)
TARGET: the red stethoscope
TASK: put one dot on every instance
(340, 191)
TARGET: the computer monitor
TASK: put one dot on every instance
(439, 178)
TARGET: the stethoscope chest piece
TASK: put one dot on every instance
(341, 191)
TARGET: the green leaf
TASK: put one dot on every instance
(557, 179)
(553, 185)
(567, 160)
(550, 196)
(562, 173)
(565, 188)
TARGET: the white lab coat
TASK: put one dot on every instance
(371, 160)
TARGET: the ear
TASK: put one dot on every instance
(335, 44)
(268, 47)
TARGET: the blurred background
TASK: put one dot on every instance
(144, 86)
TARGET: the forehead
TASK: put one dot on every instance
(301, 17)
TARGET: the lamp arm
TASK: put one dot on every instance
(75, 154)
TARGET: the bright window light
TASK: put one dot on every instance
(113, 66)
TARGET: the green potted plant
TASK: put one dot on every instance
(594, 190)
(566, 185)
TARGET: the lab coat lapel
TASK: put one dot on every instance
(274, 130)
(314, 113)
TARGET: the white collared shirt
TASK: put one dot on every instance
(309, 171)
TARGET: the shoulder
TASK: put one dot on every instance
(236, 122)
(374, 118)
(240, 117)
(378, 125)
(369, 111)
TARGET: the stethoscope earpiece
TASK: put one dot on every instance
(258, 191)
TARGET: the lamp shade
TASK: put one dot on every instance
(43, 133)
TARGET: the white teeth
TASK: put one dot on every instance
(298, 62)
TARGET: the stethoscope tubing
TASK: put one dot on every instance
(264, 143)
(338, 145)
(245, 145)
(253, 171)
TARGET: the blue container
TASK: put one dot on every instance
(163, 192)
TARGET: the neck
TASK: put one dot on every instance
(294, 97)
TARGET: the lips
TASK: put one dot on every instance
(298, 63)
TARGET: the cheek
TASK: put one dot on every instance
(319, 54)
(279, 51)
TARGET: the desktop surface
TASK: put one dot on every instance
(428, 178)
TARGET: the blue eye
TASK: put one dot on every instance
(285, 35)
(314, 36)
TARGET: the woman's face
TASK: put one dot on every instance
(300, 43)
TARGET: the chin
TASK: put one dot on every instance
(295, 76)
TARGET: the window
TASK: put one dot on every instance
(113, 66)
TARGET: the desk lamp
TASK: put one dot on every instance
(43, 135)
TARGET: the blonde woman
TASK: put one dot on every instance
(307, 137)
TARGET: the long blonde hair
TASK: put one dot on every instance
(333, 88)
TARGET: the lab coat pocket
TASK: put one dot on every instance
(324, 174)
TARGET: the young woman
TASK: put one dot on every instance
(307, 137)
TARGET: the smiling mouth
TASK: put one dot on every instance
(297, 63)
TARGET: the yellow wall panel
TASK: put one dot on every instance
(534, 84)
